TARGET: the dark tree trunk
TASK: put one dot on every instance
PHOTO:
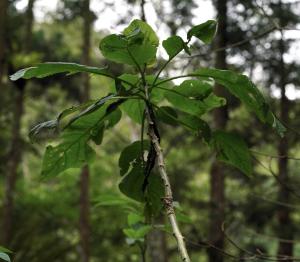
(15, 153)
(284, 219)
(84, 214)
(84, 223)
(157, 244)
(143, 15)
(14, 158)
(217, 198)
(3, 23)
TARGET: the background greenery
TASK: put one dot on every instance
(45, 212)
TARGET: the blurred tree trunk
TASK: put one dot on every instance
(284, 218)
(3, 22)
(15, 153)
(157, 244)
(84, 216)
(217, 198)
(14, 158)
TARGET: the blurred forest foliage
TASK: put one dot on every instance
(60, 219)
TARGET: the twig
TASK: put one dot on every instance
(275, 156)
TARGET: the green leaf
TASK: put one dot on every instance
(241, 87)
(4, 257)
(137, 233)
(155, 192)
(134, 218)
(205, 31)
(134, 108)
(233, 150)
(195, 124)
(194, 97)
(173, 45)
(167, 115)
(5, 250)
(73, 150)
(116, 201)
(149, 36)
(132, 154)
(138, 44)
(132, 184)
(51, 68)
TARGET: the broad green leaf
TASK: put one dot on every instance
(241, 87)
(155, 192)
(167, 115)
(4, 257)
(132, 154)
(137, 233)
(134, 108)
(138, 44)
(205, 31)
(232, 150)
(73, 150)
(116, 201)
(195, 124)
(134, 218)
(194, 97)
(173, 45)
(51, 68)
(53, 126)
(149, 36)
(5, 250)
(132, 184)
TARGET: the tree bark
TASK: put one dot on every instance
(3, 23)
(14, 158)
(284, 218)
(157, 244)
(217, 196)
(84, 206)
(15, 153)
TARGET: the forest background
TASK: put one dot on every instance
(77, 215)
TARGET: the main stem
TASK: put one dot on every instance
(168, 198)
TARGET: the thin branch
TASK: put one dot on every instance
(291, 190)
(168, 198)
(275, 156)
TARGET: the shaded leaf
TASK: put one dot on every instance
(205, 31)
(173, 45)
(132, 154)
(194, 97)
(241, 87)
(51, 68)
(232, 150)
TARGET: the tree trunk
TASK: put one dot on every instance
(14, 158)
(157, 244)
(84, 214)
(284, 220)
(15, 153)
(217, 198)
(3, 23)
